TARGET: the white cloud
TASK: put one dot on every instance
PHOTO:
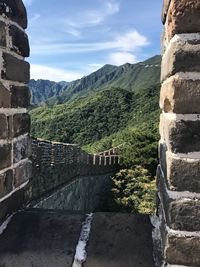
(126, 43)
(53, 74)
(93, 17)
(131, 40)
(120, 58)
(28, 2)
(73, 32)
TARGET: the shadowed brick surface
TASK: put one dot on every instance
(120, 240)
(38, 238)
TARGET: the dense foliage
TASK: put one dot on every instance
(134, 190)
(112, 117)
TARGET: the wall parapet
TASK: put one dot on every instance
(15, 148)
(179, 149)
(56, 164)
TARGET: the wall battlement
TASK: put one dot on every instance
(179, 170)
(15, 146)
(56, 164)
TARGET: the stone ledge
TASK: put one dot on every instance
(182, 55)
(180, 213)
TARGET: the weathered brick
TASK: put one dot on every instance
(22, 149)
(181, 96)
(19, 40)
(180, 213)
(15, 69)
(2, 34)
(182, 250)
(165, 9)
(182, 55)
(20, 97)
(21, 124)
(4, 97)
(5, 156)
(183, 17)
(15, 10)
(182, 174)
(3, 126)
(11, 204)
(22, 173)
(180, 136)
(6, 183)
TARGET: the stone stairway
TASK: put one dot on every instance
(49, 238)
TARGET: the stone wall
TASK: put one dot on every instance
(57, 166)
(15, 146)
(179, 170)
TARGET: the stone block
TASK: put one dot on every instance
(22, 149)
(179, 95)
(5, 156)
(181, 213)
(182, 250)
(15, 69)
(182, 55)
(22, 173)
(14, 10)
(2, 34)
(20, 97)
(165, 9)
(180, 134)
(11, 204)
(19, 41)
(6, 183)
(183, 17)
(21, 124)
(3, 126)
(182, 173)
(4, 97)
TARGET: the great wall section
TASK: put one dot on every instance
(46, 188)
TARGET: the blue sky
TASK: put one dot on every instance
(72, 38)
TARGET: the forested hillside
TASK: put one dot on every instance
(111, 107)
(132, 77)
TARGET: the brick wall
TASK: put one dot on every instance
(56, 164)
(15, 149)
(179, 170)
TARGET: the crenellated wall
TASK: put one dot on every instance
(179, 170)
(15, 145)
(66, 177)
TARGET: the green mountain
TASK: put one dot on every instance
(41, 90)
(132, 77)
(113, 106)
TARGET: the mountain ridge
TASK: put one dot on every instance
(132, 77)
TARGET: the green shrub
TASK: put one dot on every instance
(134, 190)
